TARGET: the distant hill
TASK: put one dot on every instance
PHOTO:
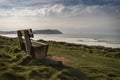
(45, 31)
(7, 32)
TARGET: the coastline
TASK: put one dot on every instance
(87, 62)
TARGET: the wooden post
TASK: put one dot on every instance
(27, 42)
(20, 40)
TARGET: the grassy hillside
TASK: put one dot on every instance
(80, 62)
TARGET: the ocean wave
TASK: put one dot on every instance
(85, 41)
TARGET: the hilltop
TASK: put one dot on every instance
(77, 62)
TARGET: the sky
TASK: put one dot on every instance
(69, 16)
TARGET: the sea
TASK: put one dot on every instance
(106, 40)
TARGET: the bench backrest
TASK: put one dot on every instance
(25, 44)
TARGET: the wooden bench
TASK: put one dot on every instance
(35, 49)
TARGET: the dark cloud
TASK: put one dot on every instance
(39, 3)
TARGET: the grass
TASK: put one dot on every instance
(84, 62)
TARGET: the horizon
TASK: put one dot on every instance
(69, 16)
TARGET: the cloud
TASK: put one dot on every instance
(61, 10)
(61, 14)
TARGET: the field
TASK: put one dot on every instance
(74, 62)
